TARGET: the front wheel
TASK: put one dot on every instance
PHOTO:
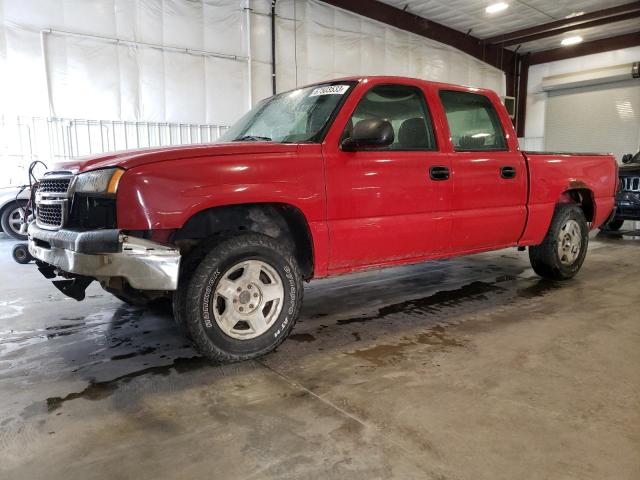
(562, 252)
(243, 299)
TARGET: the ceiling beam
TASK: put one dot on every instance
(593, 23)
(496, 56)
(586, 48)
(566, 24)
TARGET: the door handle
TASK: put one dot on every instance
(439, 173)
(507, 172)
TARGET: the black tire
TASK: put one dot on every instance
(545, 258)
(21, 253)
(179, 306)
(614, 225)
(188, 266)
(194, 300)
(5, 219)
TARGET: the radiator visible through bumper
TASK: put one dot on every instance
(103, 254)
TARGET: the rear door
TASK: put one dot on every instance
(388, 205)
(488, 171)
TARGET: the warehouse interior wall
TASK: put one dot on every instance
(150, 60)
(537, 99)
(187, 61)
(142, 68)
(316, 41)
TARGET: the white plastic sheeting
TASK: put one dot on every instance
(316, 42)
(196, 61)
(148, 60)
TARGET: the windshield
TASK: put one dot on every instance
(292, 117)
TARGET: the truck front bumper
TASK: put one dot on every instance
(104, 254)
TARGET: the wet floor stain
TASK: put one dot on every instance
(538, 289)
(445, 298)
(390, 354)
(604, 235)
(438, 336)
(78, 325)
(137, 353)
(385, 354)
(55, 331)
(101, 390)
(302, 337)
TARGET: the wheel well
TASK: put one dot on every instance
(11, 203)
(583, 197)
(280, 221)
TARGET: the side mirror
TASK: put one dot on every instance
(627, 158)
(369, 134)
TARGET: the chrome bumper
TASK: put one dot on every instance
(103, 254)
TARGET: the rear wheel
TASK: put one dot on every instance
(243, 299)
(11, 219)
(562, 253)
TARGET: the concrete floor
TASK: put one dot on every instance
(471, 368)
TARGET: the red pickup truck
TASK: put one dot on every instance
(341, 176)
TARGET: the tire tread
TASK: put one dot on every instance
(189, 310)
(544, 258)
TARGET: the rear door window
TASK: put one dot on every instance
(473, 122)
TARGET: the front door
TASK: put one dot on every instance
(388, 205)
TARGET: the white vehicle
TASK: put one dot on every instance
(12, 204)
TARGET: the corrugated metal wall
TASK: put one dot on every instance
(599, 118)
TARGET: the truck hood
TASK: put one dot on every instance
(134, 158)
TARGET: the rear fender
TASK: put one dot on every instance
(541, 215)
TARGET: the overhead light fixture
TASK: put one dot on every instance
(571, 41)
(496, 7)
(574, 14)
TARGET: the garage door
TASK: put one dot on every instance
(598, 118)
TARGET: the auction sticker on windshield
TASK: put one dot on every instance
(329, 90)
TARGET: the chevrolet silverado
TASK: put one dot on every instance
(336, 177)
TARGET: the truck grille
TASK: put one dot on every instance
(53, 198)
(50, 215)
(57, 185)
(630, 184)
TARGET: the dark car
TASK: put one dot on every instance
(628, 197)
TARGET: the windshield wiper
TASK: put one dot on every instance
(252, 138)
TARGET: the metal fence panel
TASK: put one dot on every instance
(52, 139)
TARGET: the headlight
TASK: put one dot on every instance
(99, 181)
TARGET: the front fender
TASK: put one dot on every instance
(165, 195)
